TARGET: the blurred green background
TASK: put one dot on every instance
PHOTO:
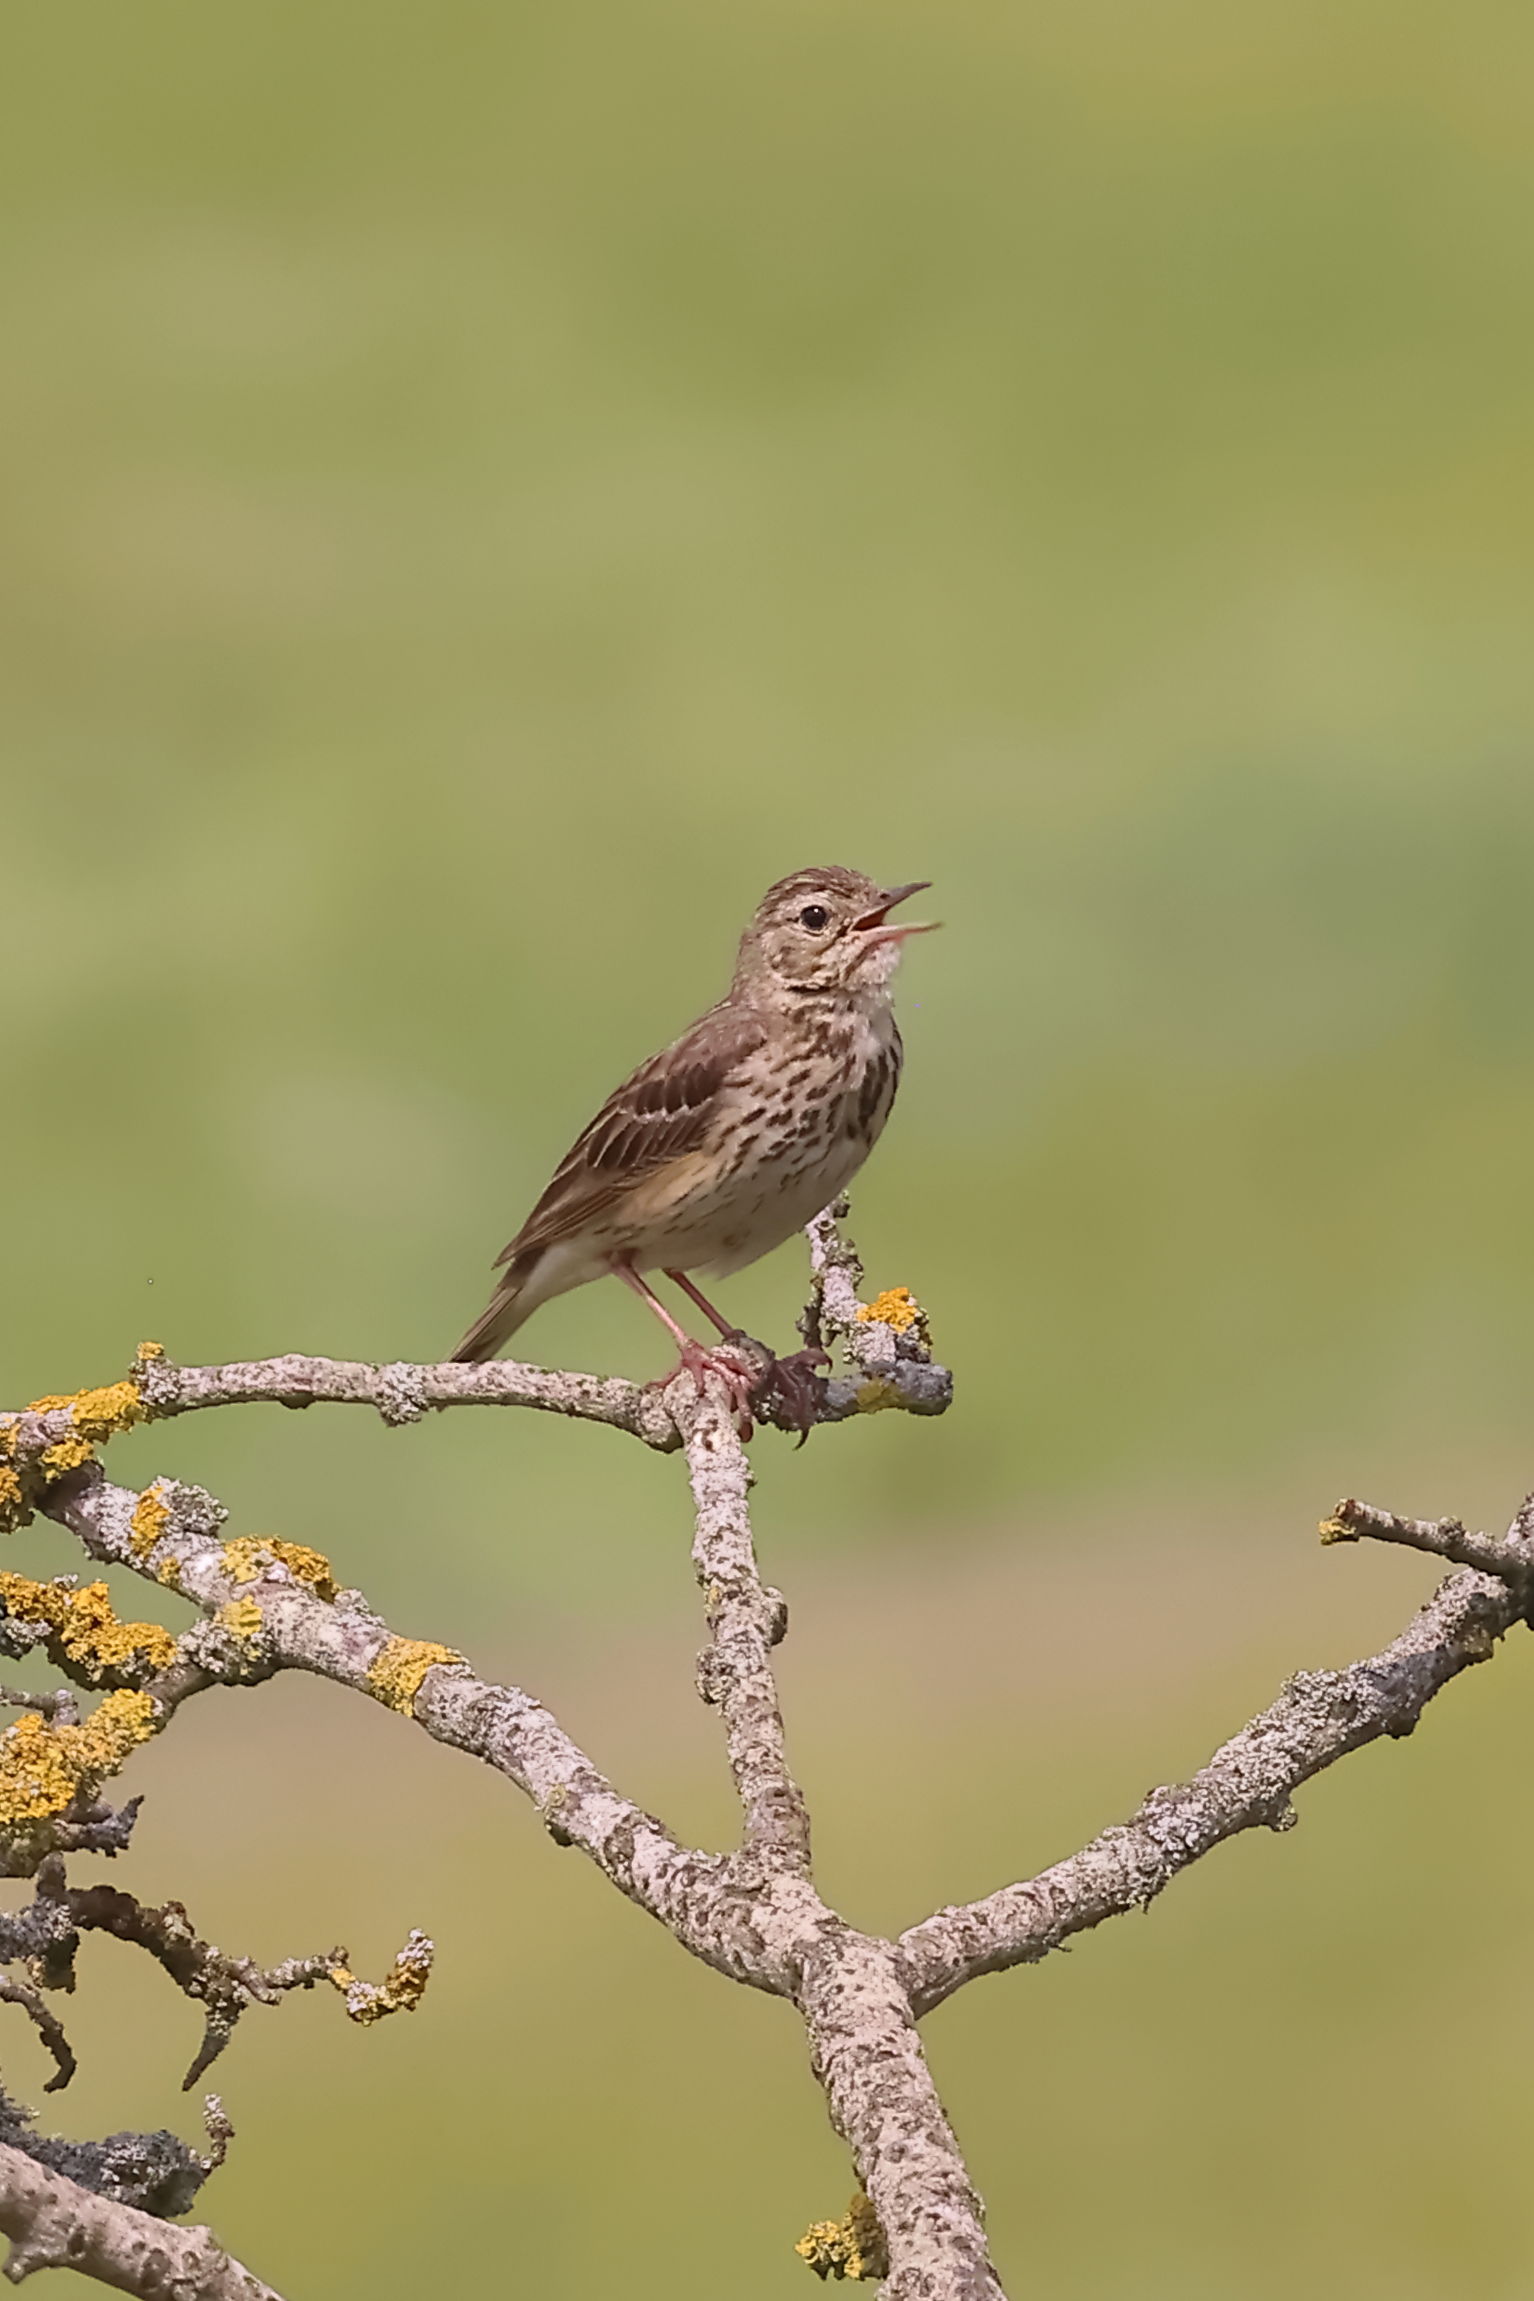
(486, 489)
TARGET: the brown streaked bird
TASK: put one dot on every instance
(733, 1137)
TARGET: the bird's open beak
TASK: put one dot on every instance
(873, 927)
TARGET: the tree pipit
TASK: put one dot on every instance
(730, 1139)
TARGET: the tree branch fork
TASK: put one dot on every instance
(753, 1912)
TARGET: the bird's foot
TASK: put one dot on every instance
(794, 1389)
(743, 1366)
(786, 1391)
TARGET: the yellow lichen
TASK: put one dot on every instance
(83, 1628)
(401, 1989)
(98, 1414)
(876, 1394)
(853, 2248)
(35, 1777)
(241, 1618)
(43, 1768)
(898, 1307)
(1336, 1529)
(151, 1350)
(71, 1453)
(401, 1664)
(247, 1556)
(95, 1415)
(151, 1517)
(13, 1508)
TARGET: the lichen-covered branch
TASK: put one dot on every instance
(269, 1605)
(745, 1621)
(404, 1393)
(54, 2223)
(264, 1604)
(868, 2056)
(1318, 1717)
(888, 1340)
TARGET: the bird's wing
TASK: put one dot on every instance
(659, 1114)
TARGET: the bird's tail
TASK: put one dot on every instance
(512, 1302)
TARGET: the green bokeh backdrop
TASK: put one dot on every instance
(488, 489)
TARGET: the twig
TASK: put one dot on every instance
(1437, 1537)
(48, 2027)
(887, 1340)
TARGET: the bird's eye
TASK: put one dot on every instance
(814, 916)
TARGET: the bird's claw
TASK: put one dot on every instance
(796, 1388)
(786, 1391)
(741, 1380)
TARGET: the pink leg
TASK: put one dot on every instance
(647, 1294)
(699, 1362)
(795, 1380)
(693, 1294)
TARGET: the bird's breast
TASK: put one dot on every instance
(797, 1123)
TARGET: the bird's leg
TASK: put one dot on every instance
(695, 1294)
(740, 1382)
(794, 1381)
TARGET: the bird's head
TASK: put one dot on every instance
(825, 931)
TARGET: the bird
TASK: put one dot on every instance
(730, 1139)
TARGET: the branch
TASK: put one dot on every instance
(53, 2223)
(1319, 1716)
(754, 1913)
(1502, 1556)
(273, 1605)
(888, 1340)
(404, 1393)
(745, 1620)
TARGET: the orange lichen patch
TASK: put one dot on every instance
(402, 1663)
(83, 1629)
(401, 1989)
(853, 2248)
(150, 1350)
(898, 1307)
(248, 1555)
(151, 1517)
(44, 1768)
(98, 1414)
(13, 1507)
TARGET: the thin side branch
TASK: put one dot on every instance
(1436, 1537)
(1318, 1718)
(887, 1340)
(404, 1393)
